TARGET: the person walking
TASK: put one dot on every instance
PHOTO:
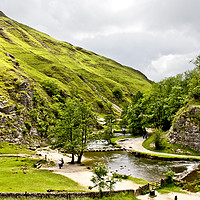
(60, 164)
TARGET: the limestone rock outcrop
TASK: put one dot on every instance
(186, 128)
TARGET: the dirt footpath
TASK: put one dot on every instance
(78, 173)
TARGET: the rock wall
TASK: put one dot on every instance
(15, 105)
(186, 128)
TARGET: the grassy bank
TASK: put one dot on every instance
(168, 148)
(19, 175)
(9, 148)
(137, 180)
(171, 188)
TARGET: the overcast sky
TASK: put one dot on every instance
(157, 37)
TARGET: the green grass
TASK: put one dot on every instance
(9, 148)
(42, 57)
(170, 188)
(18, 175)
(75, 71)
(137, 180)
(169, 148)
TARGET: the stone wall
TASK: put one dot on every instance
(186, 128)
(73, 195)
(68, 195)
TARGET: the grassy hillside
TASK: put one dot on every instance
(42, 57)
(37, 71)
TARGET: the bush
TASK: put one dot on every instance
(169, 177)
(100, 103)
(196, 92)
(117, 92)
(50, 87)
(158, 139)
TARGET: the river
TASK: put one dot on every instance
(125, 163)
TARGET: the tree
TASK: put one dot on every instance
(108, 133)
(73, 126)
(87, 122)
(158, 140)
(66, 129)
(169, 177)
(133, 115)
(101, 179)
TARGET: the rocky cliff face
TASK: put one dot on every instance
(186, 128)
(13, 116)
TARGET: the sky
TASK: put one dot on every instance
(157, 37)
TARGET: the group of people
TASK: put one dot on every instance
(144, 136)
(60, 163)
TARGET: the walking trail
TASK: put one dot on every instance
(135, 144)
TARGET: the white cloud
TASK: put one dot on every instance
(170, 65)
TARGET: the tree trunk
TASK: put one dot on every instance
(72, 161)
(80, 157)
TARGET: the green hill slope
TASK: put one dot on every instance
(34, 68)
(42, 57)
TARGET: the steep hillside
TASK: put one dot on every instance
(36, 71)
(42, 57)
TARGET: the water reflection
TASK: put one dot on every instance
(126, 164)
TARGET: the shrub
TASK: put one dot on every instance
(169, 177)
(196, 92)
(158, 139)
(117, 92)
(100, 103)
(50, 87)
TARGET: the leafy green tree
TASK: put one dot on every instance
(134, 117)
(101, 179)
(169, 177)
(196, 92)
(87, 123)
(110, 119)
(73, 126)
(158, 107)
(66, 129)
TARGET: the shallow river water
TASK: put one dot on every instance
(125, 163)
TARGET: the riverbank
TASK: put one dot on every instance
(134, 145)
(80, 174)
